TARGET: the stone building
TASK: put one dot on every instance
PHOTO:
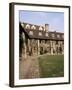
(38, 40)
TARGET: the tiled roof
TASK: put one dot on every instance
(30, 25)
(37, 34)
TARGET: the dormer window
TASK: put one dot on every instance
(46, 34)
(40, 28)
(33, 27)
(40, 34)
(31, 33)
(58, 36)
(53, 35)
(22, 24)
(27, 26)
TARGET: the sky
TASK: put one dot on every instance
(54, 19)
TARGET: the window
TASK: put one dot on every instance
(22, 24)
(40, 28)
(33, 27)
(31, 33)
(40, 34)
(27, 26)
(53, 35)
(58, 36)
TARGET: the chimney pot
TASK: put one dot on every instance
(46, 27)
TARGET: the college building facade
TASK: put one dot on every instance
(38, 40)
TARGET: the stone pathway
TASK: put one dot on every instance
(29, 68)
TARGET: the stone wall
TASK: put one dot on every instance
(37, 47)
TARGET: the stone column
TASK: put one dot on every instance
(54, 47)
(24, 46)
(51, 48)
(24, 51)
(59, 43)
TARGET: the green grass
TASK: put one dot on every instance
(51, 66)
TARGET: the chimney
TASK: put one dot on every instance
(46, 27)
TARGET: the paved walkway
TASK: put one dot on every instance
(29, 68)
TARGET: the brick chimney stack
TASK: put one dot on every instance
(46, 27)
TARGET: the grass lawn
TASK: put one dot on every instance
(51, 66)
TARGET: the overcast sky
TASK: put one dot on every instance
(54, 19)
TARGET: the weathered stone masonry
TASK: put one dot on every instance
(38, 40)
